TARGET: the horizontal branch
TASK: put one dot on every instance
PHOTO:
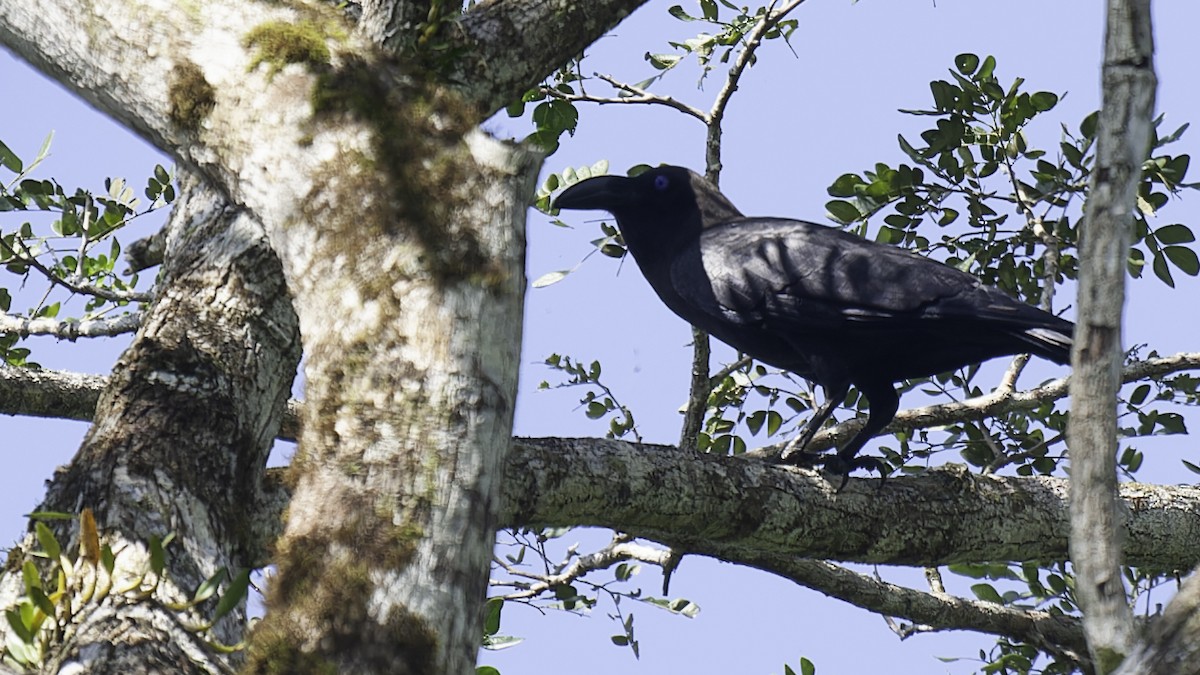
(742, 508)
(71, 329)
(618, 550)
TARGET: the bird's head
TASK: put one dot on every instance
(665, 198)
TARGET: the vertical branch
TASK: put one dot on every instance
(1122, 145)
(701, 383)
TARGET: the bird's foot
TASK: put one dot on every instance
(842, 466)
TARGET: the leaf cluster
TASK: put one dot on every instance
(58, 593)
(69, 241)
(598, 401)
(729, 31)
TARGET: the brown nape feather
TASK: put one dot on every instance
(714, 206)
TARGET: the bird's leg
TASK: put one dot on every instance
(884, 401)
(834, 395)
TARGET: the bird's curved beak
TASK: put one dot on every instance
(601, 192)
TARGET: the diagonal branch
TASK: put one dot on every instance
(1054, 633)
(996, 403)
(492, 72)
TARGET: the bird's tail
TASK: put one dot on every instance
(1051, 343)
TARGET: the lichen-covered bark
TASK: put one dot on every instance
(744, 509)
(399, 230)
(1124, 131)
(412, 358)
(208, 374)
(1170, 646)
(490, 71)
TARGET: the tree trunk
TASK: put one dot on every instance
(400, 232)
(1122, 145)
(209, 371)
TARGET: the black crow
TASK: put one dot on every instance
(829, 306)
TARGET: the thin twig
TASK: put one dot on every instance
(78, 289)
(637, 96)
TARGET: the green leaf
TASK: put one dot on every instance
(18, 625)
(38, 596)
(1174, 234)
(233, 595)
(30, 576)
(987, 593)
(51, 515)
(1139, 395)
(663, 61)
(842, 211)
(774, 421)
(1159, 265)
(209, 586)
(486, 670)
(1043, 100)
(491, 615)
(158, 556)
(677, 12)
(966, 63)
(1088, 126)
(1184, 258)
(47, 541)
(108, 559)
(9, 159)
(845, 186)
(755, 421)
(806, 666)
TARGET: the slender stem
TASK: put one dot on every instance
(637, 95)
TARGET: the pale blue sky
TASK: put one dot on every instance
(796, 124)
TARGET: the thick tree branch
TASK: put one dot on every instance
(1170, 646)
(693, 503)
(70, 330)
(767, 508)
(208, 371)
(1123, 141)
(492, 71)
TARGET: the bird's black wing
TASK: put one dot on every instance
(809, 282)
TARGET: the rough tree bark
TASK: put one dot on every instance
(209, 372)
(400, 232)
(1122, 145)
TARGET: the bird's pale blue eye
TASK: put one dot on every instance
(661, 183)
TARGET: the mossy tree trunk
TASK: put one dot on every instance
(400, 232)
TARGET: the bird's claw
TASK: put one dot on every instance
(842, 466)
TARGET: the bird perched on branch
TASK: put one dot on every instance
(831, 307)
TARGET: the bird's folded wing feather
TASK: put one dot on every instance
(809, 277)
